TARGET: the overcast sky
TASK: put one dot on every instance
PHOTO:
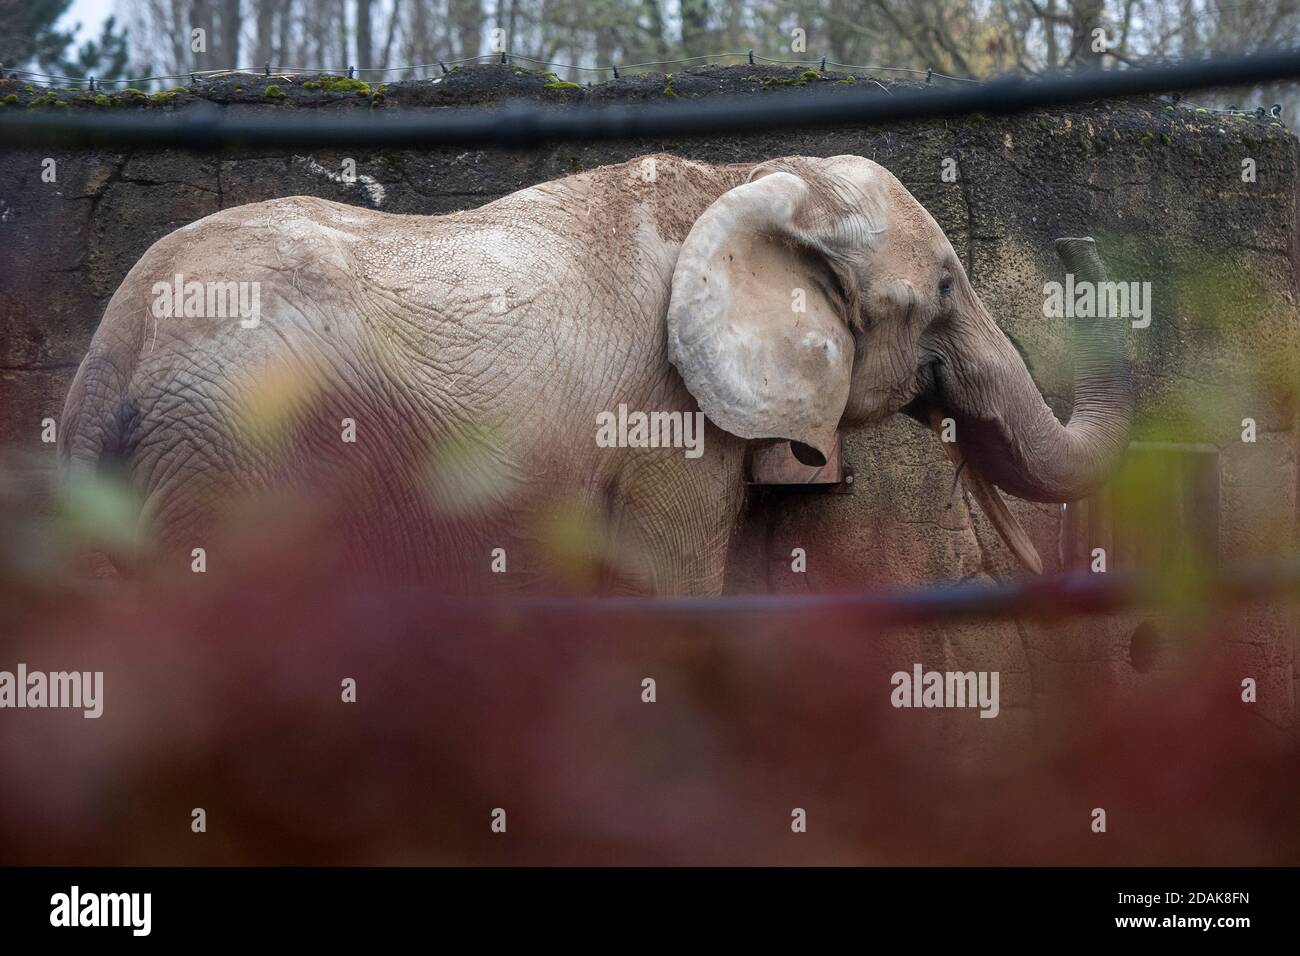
(91, 13)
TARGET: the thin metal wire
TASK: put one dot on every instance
(878, 69)
(84, 79)
(1230, 110)
(415, 66)
(685, 59)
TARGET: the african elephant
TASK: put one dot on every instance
(476, 356)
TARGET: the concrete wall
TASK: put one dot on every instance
(1160, 187)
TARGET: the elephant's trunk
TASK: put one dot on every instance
(1006, 430)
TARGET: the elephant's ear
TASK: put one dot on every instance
(757, 321)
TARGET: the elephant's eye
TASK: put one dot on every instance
(945, 287)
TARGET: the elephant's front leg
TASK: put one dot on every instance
(674, 515)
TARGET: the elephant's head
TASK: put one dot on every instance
(820, 291)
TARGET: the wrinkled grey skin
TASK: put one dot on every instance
(487, 342)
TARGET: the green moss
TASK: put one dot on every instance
(132, 91)
(28, 89)
(273, 92)
(555, 83)
(778, 81)
(102, 100)
(1164, 138)
(668, 87)
(11, 99)
(163, 97)
(310, 85)
(1147, 139)
(341, 84)
(848, 79)
(807, 76)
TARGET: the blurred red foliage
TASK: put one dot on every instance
(229, 698)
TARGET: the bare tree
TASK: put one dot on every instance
(231, 24)
(970, 37)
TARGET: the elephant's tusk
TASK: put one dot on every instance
(990, 501)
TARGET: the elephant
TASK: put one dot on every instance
(476, 355)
